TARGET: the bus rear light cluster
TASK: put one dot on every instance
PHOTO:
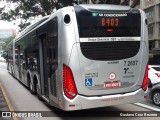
(69, 87)
(145, 80)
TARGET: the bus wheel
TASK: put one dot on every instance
(31, 88)
(38, 92)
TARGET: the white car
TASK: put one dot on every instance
(153, 75)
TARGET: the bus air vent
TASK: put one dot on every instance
(107, 51)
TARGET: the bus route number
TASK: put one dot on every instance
(131, 63)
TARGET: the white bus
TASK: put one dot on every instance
(84, 56)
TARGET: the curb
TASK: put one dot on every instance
(7, 101)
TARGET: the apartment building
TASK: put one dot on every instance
(152, 10)
(7, 29)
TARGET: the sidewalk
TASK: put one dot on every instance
(3, 106)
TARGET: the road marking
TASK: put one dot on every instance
(148, 107)
(7, 101)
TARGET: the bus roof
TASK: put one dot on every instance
(105, 7)
(32, 26)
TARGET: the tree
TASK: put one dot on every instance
(25, 9)
(7, 40)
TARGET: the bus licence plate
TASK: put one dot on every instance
(112, 84)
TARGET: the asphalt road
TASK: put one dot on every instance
(22, 100)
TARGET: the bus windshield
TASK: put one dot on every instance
(108, 23)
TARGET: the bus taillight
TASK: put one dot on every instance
(145, 80)
(69, 86)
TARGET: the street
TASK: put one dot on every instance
(22, 100)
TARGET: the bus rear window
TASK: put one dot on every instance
(107, 23)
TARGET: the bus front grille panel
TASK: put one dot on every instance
(115, 50)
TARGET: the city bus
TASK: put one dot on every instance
(84, 56)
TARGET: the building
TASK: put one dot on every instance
(152, 10)
(5, 33)
(6, 30)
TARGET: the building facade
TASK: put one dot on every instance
(152, 10)
(7, 29)
(5, 33)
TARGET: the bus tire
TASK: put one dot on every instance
(31, 88)
(38, 92)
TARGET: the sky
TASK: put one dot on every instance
(15, 23)
(5, 24)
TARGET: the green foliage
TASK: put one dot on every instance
(7, 41)
(32, 8)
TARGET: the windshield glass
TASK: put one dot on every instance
(108, 24)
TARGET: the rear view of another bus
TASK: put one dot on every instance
(108, 60)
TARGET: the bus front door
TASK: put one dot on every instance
(48, 67)
(49, 60)
(52, 67)
(43, 66)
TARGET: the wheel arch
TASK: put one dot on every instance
(36, 80)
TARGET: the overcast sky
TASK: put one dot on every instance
(5, 24)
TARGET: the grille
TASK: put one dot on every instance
(104, 51)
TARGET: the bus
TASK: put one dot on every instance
(84, 56)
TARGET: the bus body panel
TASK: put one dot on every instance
(66, 42)
(94, 78)
(99, 82)
(130, 72)
(67, 35)
(84, 102)
(99, 72)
